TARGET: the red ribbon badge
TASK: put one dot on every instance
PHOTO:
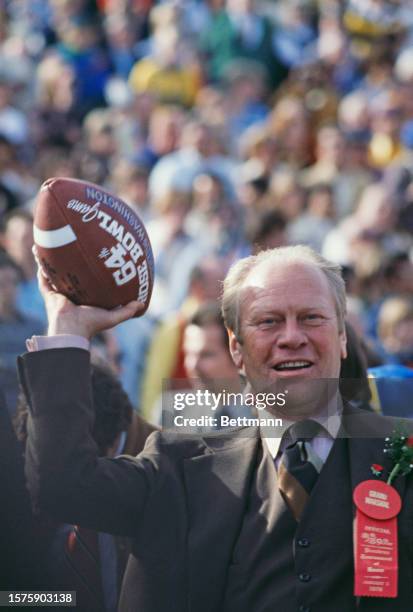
(375, 539)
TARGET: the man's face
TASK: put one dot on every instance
(288, 326)
(207, 358)
(19, 239)
(401, 339)
(208, 287)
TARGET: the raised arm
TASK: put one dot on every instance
(66, 477)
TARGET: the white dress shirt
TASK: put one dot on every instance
(321, 444)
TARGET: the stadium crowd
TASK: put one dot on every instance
(230, 126)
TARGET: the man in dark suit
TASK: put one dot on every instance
(214, 527)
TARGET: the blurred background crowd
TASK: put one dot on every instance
(230, 126)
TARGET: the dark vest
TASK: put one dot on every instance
(278, 565)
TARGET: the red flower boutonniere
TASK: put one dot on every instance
(377, 469)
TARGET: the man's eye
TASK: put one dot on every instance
(267, 322)
(313, 318)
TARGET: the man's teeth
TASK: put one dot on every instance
(291, 365)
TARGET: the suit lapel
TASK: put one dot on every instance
(363, 455)
(364, 450)
(217, 485)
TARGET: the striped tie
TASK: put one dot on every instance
(299, 467)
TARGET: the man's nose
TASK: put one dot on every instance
(292, 335)
(197, 368)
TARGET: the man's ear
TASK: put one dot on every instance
(235, 348)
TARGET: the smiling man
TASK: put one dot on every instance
(284, 310)
(231, 521)
(289, 322)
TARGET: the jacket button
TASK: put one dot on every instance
(304, 577)
(303, 542)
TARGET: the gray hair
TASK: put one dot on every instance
(290, 254)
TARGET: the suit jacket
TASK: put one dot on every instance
(182, 500)
(19, 554)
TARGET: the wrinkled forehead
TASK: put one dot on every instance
(284, 284)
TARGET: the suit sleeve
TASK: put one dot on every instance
(66, 477)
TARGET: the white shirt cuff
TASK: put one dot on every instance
(40, 343)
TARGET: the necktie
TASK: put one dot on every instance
(299, 467)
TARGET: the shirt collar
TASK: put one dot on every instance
(330, 420)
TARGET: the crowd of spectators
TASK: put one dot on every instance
(229, 126)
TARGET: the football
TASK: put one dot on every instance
(92, 246)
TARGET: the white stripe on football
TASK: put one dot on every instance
(51, 239)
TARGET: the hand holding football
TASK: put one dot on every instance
(92, 247)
